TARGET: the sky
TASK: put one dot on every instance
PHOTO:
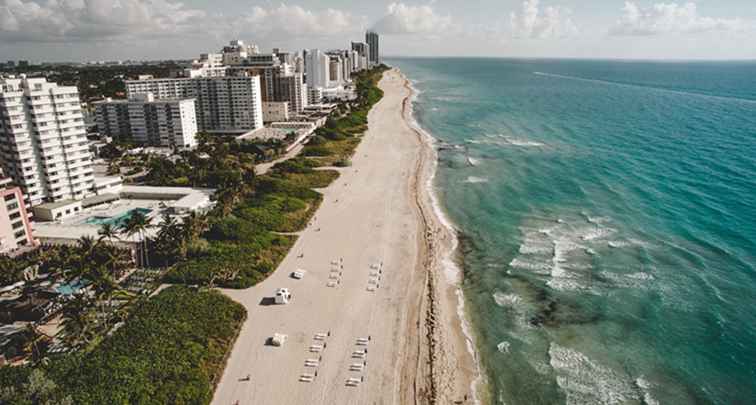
(80, 30)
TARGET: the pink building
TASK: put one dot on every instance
(15, 228)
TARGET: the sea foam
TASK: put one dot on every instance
(584, 381)
(476, 180)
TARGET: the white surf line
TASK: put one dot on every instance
(640, 86)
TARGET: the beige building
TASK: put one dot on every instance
(15, 227)
(274, 111)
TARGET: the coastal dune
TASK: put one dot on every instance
(374, 319)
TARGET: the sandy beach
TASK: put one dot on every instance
(376, 317)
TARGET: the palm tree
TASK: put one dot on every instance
(79, 323)
(138, 224)
(87, 244)
(195, 225)
(108, 231)
(37, 343)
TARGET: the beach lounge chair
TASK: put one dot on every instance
(316, 348)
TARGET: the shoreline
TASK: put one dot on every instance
(443, 295)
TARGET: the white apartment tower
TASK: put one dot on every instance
(335, 72)
(317, 65)
(229, 104)
(43, 143)
(146, 121)
(223, 104)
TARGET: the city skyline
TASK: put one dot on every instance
(81, 30)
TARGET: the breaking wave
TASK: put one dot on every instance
(476, 180)
(585, 381)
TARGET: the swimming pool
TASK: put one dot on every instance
(117, 221)
(71, 288)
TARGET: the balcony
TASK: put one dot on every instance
(50, 136)
(41, 103)
(62, 107)
(52, 153)
(43, 109)
(71, 142)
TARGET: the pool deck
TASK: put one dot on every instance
(76, 226)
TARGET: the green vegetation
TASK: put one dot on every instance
(335, 143)
(96, 82)
(241, 243)
(171, 350)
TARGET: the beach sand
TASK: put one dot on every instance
(378, 211)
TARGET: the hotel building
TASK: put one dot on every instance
(15, 228)
(317, 66)
(223, 104)
(146, 121)
(43, 143)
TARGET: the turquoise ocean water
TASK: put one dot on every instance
(608, 224)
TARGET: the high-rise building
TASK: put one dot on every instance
(292, 89)
(229, 104)
(43, 143)
(299, 64)
(314, 95)
(223, 104)
(317, 65)
(374, 55)
(354, 61)
(361, 48)
(208, 65)
(335, 72)
(15, 227)
(280, 83)
(146, 121)
(236, 52)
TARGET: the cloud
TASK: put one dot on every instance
(61, 21)
(297, 22)
(82, 20)
(664, 18)
(402, 19)
(532, 22)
